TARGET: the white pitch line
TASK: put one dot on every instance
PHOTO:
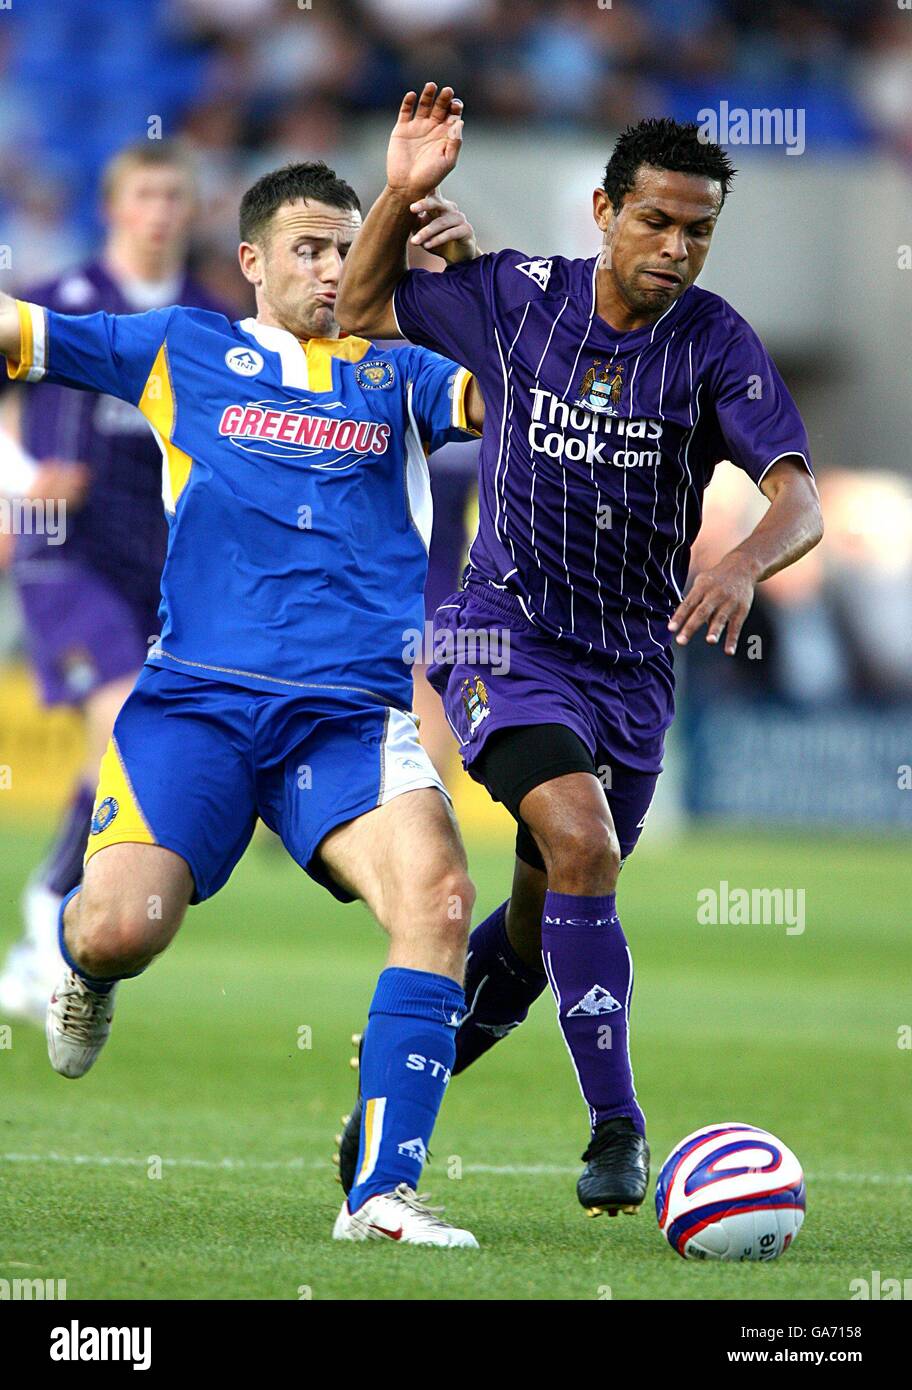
(500, 1170)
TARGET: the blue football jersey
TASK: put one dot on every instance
(295, 485)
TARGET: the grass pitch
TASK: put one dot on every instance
(206, 1081)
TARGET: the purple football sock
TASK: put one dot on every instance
(590, 971)
(62, 869)
(499, 989)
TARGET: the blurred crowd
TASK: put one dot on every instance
(251, 83)
(834, 628)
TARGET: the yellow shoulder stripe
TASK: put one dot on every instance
(158, 405)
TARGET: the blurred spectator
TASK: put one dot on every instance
(38, 230)
(207, 17)
(869, 569)
(406, 17)
(883, 80)
(835, 626)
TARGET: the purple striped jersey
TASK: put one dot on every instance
(597, 445)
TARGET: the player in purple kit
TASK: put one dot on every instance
(90, 605)
(613, 386)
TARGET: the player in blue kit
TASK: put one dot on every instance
(89, 604)
(613, 388)
(295, 486)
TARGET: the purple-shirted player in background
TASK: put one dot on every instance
(612, 388)
(90, 605)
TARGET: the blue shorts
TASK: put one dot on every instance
(193, 762)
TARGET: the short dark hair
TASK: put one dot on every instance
(286, 185)
(663, 143)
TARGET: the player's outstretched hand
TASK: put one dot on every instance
(719, 597)
(425, 142)
(444, 229)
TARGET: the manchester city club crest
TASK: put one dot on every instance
(601, 387)
(374, 375)
(104, 815)
(475, 700)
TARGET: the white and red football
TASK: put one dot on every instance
(730, 1192)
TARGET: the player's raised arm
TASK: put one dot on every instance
(10, 334)
(423, 149)
(722, 596)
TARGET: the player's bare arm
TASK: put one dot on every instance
(475, 406)
(10, 340)
(721, 597)
(423, 149)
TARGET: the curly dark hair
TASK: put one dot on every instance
(314, 180)
(663, 143)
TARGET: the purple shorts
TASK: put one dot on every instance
(495, 671)
(81, 631)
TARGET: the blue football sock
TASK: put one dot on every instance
(100, 986)
(406, 1063)
(499, 988)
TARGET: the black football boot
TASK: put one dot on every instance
(616, 1174)
(349, 1140)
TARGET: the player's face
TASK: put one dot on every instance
(656, 245)
(153, 207)
(300, 265)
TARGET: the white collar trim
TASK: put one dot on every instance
(279, 340)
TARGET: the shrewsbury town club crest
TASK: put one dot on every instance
(475, 699)
(601, 387)
(374, 375)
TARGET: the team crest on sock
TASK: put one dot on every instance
(597, 1000)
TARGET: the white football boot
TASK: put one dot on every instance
(78, 1024)
(400, 1215)
(33, 965)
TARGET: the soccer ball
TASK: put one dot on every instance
(730, 1192)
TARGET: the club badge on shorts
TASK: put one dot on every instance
(105, 813)
(475, 700)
